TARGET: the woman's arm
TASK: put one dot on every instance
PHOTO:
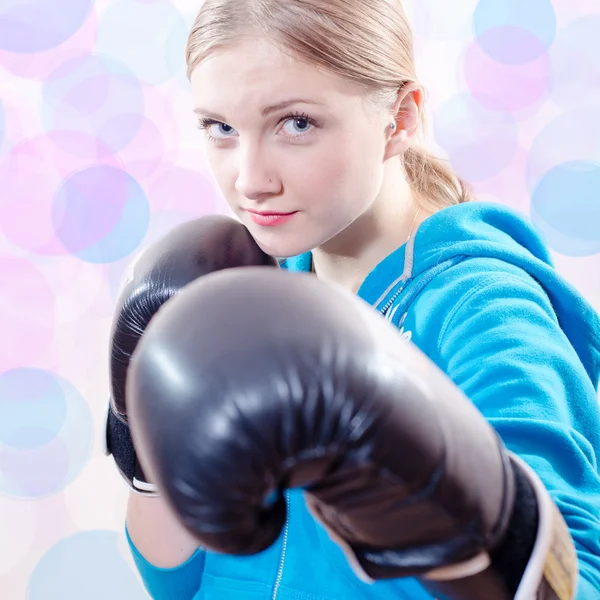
(168, 558)
(503, 346)
(157, 535)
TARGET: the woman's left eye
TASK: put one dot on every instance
(297, 124)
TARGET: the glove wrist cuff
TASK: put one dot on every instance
(118, 443)
(552, 570)
(547, 571)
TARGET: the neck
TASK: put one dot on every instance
(350, 256)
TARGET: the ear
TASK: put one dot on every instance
(407, 113)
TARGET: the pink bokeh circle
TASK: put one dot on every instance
(510, 87)
(94, 95)
(27, 306)
(31, 174)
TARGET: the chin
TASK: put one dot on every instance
(280, 248)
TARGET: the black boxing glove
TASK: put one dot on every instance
(295, 383)
(189, 251)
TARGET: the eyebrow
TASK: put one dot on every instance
(266, 111)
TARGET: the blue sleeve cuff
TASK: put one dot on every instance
(177, 583)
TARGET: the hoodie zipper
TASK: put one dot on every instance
(283, 550)
(391, 301)
(424, 281)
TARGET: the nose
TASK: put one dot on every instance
(254, 177)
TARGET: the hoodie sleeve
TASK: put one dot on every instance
(178, 583)
(501, 343)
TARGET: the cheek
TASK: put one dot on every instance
(349, 175)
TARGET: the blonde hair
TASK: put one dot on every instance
(367, 41)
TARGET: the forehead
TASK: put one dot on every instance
(254, 73)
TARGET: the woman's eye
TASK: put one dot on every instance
(215, 130)
(297, 125)
(222, 128)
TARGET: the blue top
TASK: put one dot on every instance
(476, 291)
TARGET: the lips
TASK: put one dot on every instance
(270, 219)
(270, 214)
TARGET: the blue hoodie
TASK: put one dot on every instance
(476, 291)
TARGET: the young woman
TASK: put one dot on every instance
(311, 111)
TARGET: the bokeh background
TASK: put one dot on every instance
(99, 156)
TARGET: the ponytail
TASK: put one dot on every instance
(435, 184)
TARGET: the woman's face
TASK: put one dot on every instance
(284, 138)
